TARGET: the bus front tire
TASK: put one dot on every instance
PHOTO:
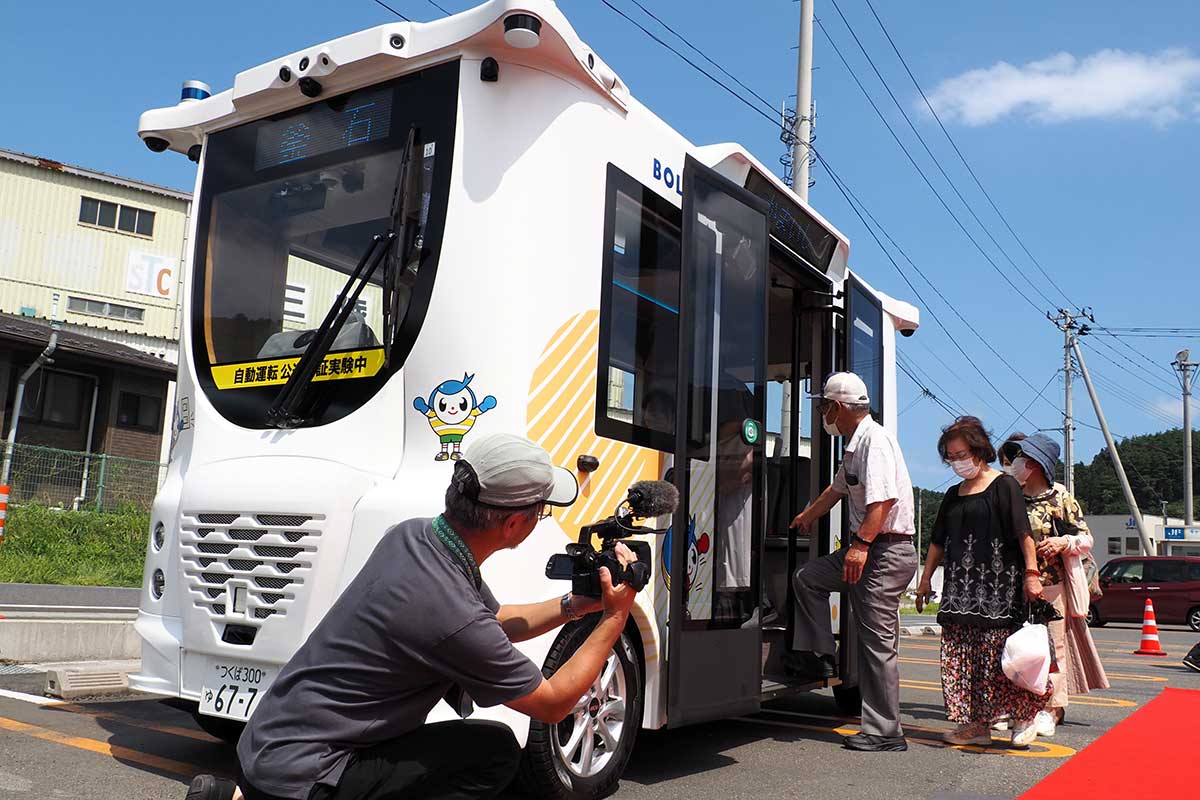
(848, 699)
(227, 730)
(583, 757)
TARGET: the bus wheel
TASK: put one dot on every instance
(583, 756)
(227, 730)
(848, 699)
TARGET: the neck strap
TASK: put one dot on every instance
(457, 547)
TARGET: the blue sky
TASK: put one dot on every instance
(1079, 118)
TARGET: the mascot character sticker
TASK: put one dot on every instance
(452, 410)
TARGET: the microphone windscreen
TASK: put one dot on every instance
(653, 498)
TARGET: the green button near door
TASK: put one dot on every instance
(750, 431)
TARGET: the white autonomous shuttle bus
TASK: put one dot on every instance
(514, 243)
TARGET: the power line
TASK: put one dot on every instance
(438, 7)
(961, 157)
(394, 11)
(854, 206)
(1041, 393)
(925, 391)
(975, 177)
(921, 172)
(936, 162)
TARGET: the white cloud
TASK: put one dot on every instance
(1174, 409)
(1111, 84)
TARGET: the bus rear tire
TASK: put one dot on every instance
(554, 763)
(227, 730)
(848, 699)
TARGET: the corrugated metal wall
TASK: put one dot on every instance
(44, 247)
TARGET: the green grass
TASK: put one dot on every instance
(909, 607)
(79, 548)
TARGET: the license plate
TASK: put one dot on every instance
(232, 689)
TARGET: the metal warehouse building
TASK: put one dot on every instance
(110, 249)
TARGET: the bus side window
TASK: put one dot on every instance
(639, 315)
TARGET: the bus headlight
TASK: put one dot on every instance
(159, 536)
(158, 582)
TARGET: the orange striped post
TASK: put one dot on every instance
(3, 510)
(1150, 645)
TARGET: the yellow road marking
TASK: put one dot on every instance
(173, 730)
(1123, 677)
(98, 746)
(1044, 749)
(1086, 700)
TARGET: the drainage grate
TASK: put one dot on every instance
(18, 669)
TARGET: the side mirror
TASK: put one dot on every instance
(1105, 583)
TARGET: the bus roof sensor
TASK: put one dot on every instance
(522, 31)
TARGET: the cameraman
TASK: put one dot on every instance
(345, 717)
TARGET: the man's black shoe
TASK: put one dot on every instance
(809, 665)
(1192, 663)
(210, 787)
(870, 743)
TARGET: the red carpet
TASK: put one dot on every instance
(1151, 754)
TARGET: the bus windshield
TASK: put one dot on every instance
(288, 206)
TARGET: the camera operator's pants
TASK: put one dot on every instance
(876, 603)
(459, 760)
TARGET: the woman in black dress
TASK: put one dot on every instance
(982, 532)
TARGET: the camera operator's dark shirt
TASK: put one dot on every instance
(408, 630)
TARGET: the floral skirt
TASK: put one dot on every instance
(974, 686)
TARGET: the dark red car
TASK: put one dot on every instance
(1171, 582)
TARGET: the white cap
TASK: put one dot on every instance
(845, 387)
(513, 472)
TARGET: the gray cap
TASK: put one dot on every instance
(514, 472)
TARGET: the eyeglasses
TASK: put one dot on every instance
(545, 512)
(959, 456)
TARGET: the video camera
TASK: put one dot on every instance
(581, 563)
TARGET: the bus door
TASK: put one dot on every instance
(862, 344)
(715, 638)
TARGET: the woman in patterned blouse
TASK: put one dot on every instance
(982, 530)
(1062, 538)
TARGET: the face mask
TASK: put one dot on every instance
(830, 427)
(1020, 470)
(966, 468)
(1008, 469)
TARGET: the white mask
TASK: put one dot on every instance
(1008, 469)
(1020, 469)
(830, 427)
(965, 469)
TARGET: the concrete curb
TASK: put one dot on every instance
(55, 640)
(921, 630)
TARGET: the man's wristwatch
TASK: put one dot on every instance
(568, 610)
(856, 539)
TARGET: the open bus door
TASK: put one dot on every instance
(715, 636)
(862, 354)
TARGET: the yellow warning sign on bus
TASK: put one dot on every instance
(276, 371)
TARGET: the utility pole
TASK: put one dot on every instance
(920, 503)
(800, 147)
(1065, 321)
(1185, 367)
(1134, 511)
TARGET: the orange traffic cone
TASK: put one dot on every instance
(1150, 646)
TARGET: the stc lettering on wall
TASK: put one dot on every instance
(151, 274)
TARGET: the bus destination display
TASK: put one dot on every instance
(366, 117)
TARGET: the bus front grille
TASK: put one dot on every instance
(268, 555)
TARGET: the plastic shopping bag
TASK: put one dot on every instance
(1026, 658)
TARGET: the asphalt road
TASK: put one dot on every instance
(139, 748)
(38, 601)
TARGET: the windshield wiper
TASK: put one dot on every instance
(292, 407)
